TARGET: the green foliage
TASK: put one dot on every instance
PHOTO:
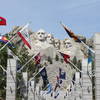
(75, 60)
(93, 81)
(57, 58)
(3, 63)
(79, 64)
(50, 60)
(3, 57)
(62, 60)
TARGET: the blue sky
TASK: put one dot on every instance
(82, 16)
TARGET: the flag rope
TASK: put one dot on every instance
(88, 47)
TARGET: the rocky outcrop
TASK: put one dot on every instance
(49, 46)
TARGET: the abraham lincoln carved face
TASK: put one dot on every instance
(67, 43)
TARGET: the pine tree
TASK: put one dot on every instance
(49, 59)
(75, 60)
(57, 58)
(3, 63)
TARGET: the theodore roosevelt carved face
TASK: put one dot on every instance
(67, 43)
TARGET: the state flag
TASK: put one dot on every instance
(2, 21)
(24, 35)
(65, 56)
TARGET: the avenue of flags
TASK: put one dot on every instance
(24, 35)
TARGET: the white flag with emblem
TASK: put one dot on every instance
(24, 35)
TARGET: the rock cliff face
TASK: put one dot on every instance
(67, 46)
(49, 46)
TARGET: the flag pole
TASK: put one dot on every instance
(78, 38)
(88, 47)
(27, 62)
(13, 54)
(37, 73)
(14, 37)
(3, 69)
(75, 66)
(24, 27)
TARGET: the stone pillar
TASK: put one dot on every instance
(24, 87)
(31, 90)
(97, 65)
(77, 89)
(86, 82)
(11, 80)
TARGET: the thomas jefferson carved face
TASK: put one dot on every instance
(57, 43)
(50, 38)
(41, 35)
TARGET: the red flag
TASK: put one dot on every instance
(37, 59)
(23, 33)
(65, 56)
(2, 21)
(70, 33)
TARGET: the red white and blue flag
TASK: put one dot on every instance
(65, 56)
(37, 59)
(49, 88)
(43, 73)
(4, 40)
(24, 35)
(62, 74)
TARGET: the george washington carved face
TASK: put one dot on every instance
(41, 35)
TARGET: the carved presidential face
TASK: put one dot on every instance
(50, 38)
(67, 43)
(57, 43)
(41, 35)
